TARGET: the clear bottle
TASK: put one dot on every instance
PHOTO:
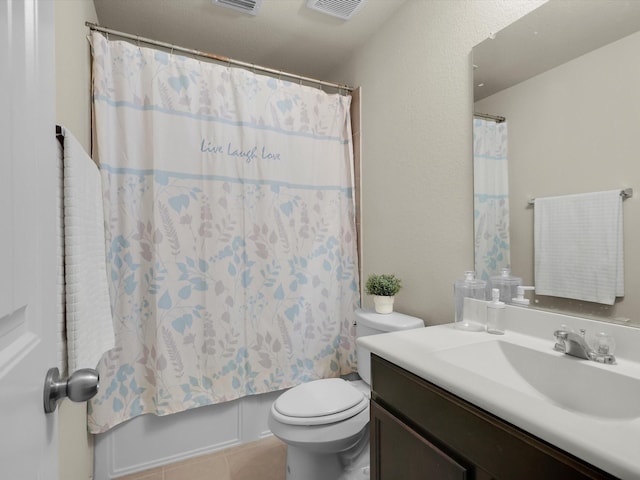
(506, 283)
(468, 287)
(496, 314)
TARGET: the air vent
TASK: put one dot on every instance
(245, 6)
(344, 9)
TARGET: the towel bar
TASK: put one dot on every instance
(624, 193)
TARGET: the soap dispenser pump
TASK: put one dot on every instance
(496, 314)
(520, 298)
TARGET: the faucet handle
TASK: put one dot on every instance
(603, 347)
(561, 335)
(604, 343)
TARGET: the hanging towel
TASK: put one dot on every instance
(89, 322)
(61, 332)
(579, 246)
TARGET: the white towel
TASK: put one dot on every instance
(89, 322)
(61, 340)
(579, 246)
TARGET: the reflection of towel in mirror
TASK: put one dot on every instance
(89, 322)
(579, 246)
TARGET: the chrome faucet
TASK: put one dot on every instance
(575, 344)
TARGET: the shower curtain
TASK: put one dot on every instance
(491, 197)
(231, 242)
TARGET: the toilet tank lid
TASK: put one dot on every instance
(387, 322)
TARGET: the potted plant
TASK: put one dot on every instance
(383, 288)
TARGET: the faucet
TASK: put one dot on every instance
(574, 344)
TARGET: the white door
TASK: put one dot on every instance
(28, 437)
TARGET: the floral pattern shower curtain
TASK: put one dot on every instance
(231, 235)
(491, 198)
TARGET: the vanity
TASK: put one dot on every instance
(420, 431)
(448, 404)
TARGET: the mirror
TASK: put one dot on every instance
(567, 79)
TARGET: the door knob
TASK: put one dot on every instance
(79, 387)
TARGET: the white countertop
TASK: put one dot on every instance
(612, 444)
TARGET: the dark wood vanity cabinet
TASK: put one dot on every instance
(420, 431)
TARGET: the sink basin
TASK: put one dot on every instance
(580, 386)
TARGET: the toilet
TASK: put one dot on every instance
(325, 423)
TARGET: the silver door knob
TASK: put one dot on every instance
(79, 387)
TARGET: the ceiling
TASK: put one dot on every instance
(284, 35)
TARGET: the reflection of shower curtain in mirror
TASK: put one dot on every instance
(231, 232)
(491, 197)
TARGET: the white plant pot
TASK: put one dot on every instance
(383, 304)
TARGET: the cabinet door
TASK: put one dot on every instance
(400, 453)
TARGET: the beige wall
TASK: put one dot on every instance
(73, 67)
(73, 111)
(417, 199)
(574, 129)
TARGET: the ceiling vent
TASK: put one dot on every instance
(245, 6)
(344, 9)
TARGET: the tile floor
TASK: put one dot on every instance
(264, 459)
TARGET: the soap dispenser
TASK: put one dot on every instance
(520, 298)
(496, 314)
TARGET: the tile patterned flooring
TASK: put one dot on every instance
(264, 459)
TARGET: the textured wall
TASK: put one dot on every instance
(73, 111)
(73, 67)
(417, 100)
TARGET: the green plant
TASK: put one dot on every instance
(385, 285)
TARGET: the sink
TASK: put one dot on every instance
(580, 386)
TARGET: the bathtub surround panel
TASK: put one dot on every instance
(148, 442)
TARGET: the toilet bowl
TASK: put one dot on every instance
(325, 423)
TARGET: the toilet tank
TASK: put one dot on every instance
(371, 323)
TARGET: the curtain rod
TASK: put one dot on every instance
(486, 116)
(219, 58)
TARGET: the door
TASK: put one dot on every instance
(28, 437)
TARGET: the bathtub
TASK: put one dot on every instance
(149, 441)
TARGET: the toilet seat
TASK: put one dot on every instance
(319, 403)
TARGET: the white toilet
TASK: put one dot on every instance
(325, 423)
